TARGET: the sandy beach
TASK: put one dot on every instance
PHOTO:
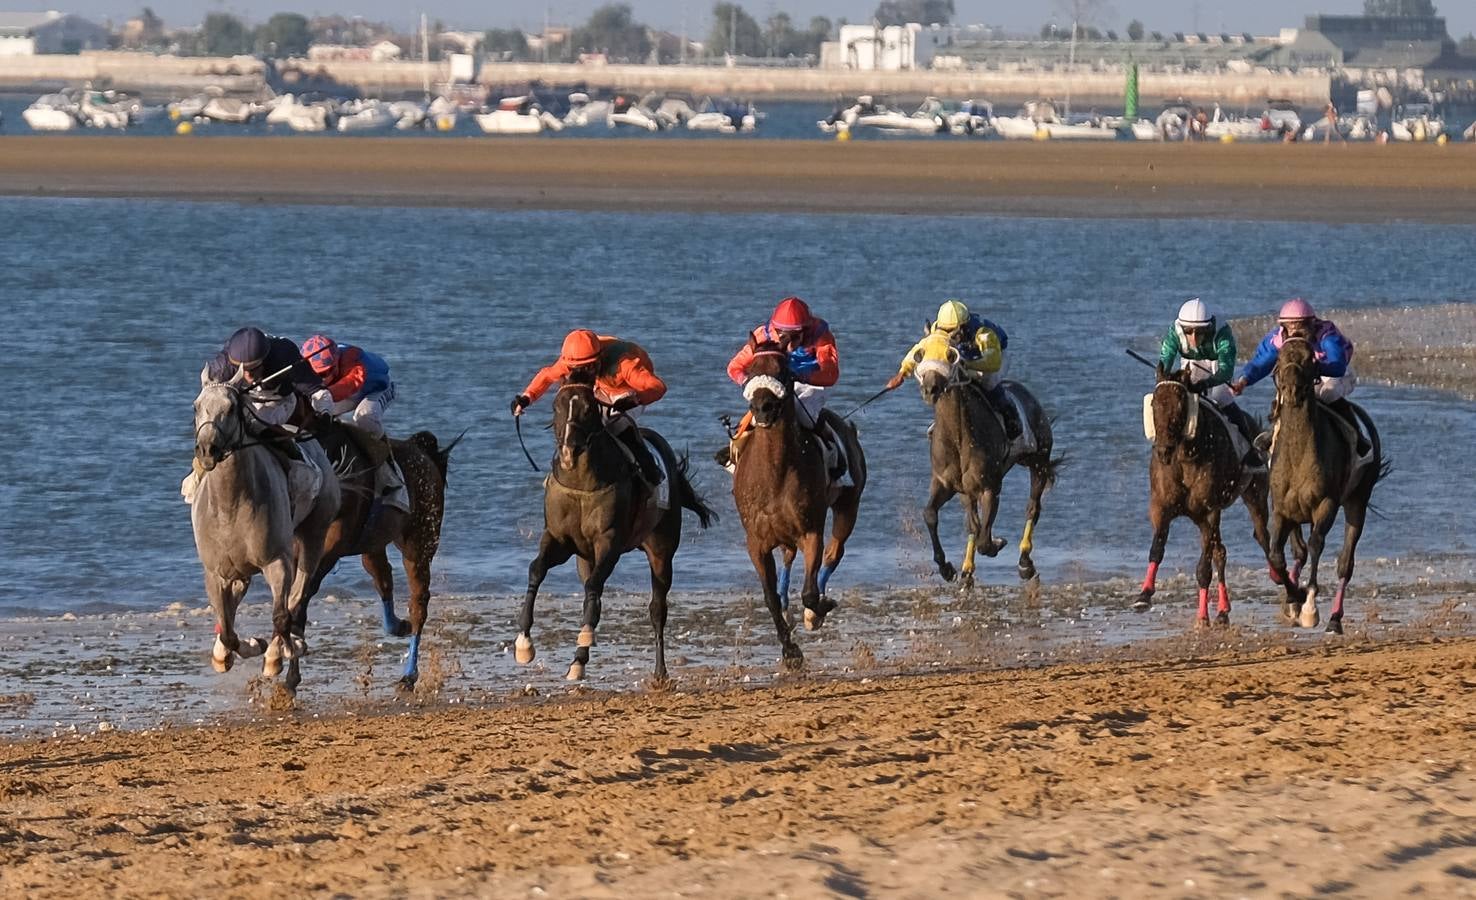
(1338, 183)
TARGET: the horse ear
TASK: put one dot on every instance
(953, 355)
(1162, 372)
(752, 343)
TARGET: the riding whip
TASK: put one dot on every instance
(877, 396)
(1141, 358)
(518, 424)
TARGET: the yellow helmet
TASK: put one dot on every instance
(952, 314)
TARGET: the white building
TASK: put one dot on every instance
(29, 33)
(893, 48)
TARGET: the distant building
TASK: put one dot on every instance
(27, 34)
(380, 52)
(891, 48)
(1375, 50)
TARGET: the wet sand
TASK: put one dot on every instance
(1273, 772)
(1338, 183)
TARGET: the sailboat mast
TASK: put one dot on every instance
(1071, 66)
(424, 57)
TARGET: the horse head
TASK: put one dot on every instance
(220, 425)
(937, 366)
(577, 419)
(1296, 371)
(1171, 411)
(769, 387)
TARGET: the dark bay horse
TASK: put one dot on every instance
(365, 529)
(596, 507)
(970, 455)
(1314, 471)
(783, 493)
(1197, 472)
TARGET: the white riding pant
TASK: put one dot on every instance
(1329, 389)
(274, 410)
(366, 413)
(1202, 370)
(809, 400)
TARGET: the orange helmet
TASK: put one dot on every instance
(321, 352)
(792, 314)
(581, 348)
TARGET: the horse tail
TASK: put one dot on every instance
(688, 496)
(431, 447)
(1052, 468)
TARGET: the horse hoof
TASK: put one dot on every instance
(298, 645)
(992, 548)
(1334, 626)
(1027, 571)
(1144, 602)
(271, 668)
(401, 629)
(947, 571)
(222, 665)
(251, 647)
(586, 636)
(1222, 619)
(1201, 622)
(1289, 612)
(812, 620)
(1309, 617)
(575, 673)
(523, 649)
(966, 582)
(794, 659)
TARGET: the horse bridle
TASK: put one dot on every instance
(591, 434)
(240, 408)
(1280, 386)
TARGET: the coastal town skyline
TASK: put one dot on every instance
(1255, 16)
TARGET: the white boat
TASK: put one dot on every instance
(1281, 118)
(365, 115)
(518, 115)
(868, 112)
(723, 117)
(188, 108)
(1242, 128)
(443, 114)
(408, 114)
(1416, 122)
(1470, 134)
(627, 113)
(280, 109)
(1039, 121)
(52, 112)
(971, 117)
(230, 110)
(584, 112)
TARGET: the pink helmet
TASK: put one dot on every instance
(321, 353)
(1294, 309)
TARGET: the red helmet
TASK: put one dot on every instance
(321, 352)
(581, 348)
(790, 315)
(1294, 309)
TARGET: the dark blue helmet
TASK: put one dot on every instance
(247, 347)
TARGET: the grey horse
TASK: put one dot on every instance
(243, 522)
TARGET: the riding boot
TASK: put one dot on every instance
(827, 435)
(1247, 426)
(1002, 405)
(650, 471)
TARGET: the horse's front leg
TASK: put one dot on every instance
(660, 559)
(225, 597)
(1353, 516)
(763, 564)
(1160, 519)
(417, 557)
(973, 525)
(1281, 529)
(1322, 522)
(279, 575)
(1040, 479)
(785, 571)
(1222, 607)
(551, 552)
(605, 557)
(989, 545)
(812, 545)
(938, 495)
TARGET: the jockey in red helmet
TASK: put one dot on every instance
(624, 380)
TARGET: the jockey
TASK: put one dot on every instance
(813, 361)
(356, 390)
(981, 345)
(274, 369)
(1335, 379)
(624, 380)
(1202, 348)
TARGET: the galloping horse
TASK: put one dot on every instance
(243, 522)
(783, 493)
(1196, 471)
(596, 507)
(366, 529)
(1314, 470)
(970, 456)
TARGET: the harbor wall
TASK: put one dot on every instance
(180, 75)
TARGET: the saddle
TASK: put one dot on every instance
(346, 444)
(1024, 443)
(660, 495)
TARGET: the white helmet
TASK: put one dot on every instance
(1194, 314)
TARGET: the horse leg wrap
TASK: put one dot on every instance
(1204, 604)
(586, 636)
(1224, 604)
(1151, 579)
(1027, 540)
(824, 578)
(970, 549)
(1337, 609)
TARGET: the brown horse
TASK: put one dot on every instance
(596, 507)
(969, 450)
(365, 527)
(1314, 471)
(1197, 472)
(783, 492)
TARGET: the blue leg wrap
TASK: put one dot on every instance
(825, 573)
(784, 588)
(392, 622)
(412, 660)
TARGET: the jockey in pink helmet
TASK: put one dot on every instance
(1335, 379)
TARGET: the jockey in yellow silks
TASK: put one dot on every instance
(980, 344)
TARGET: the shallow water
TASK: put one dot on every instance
(111, 306)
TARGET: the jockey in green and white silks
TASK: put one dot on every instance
(1201, 345)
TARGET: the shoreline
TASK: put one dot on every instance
(1337, 183)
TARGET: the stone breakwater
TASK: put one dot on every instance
(172, 74)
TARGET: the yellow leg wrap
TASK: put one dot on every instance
(1027, 540)
(968, 560)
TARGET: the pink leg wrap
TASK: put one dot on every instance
(217, 628)
(1151, 578)
(1204, 604)
(1224, 606)
(1337, 610)
(1271, 570)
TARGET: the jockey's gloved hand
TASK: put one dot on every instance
(520, 403)
(322, 401)
(625, 403)
(802, 361)
(895, 382)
